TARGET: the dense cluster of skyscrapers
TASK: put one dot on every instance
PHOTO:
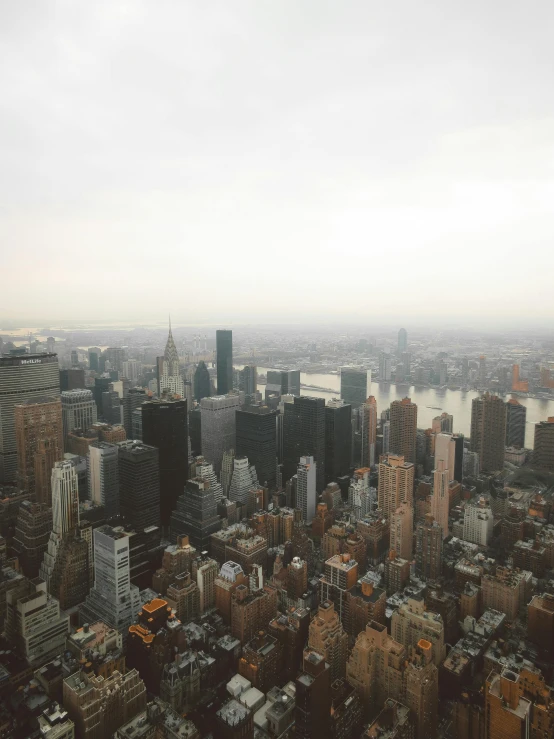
(182, 556)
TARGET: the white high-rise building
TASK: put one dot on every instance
(65, 498)
(35, 625)
(171, 380)
(478, 523)
(78, 410)
(218, 427)
(306, 495)
(112, 599)
(227, 465)
(244, 480)
(385, 371)
(361, 497)
(131, 369)
(445, 450)
(440, 501)
(103, 476)
(65, 513)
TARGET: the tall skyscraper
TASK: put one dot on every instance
(224, 358)
(248, 379)
(243, 480)
(170, 378)
(65, 498)
(32, 531)
(543, 452)
(402, 531)
(202, 382)
(79, 411)
(165, 426)
(488, 431)
(72, 379)
(103, 476)
(139, 484)
(113, 599)
(22, 378)
(440, 503)
(338, 440)
(313, 698)
(429, 538)
(396, 484)
(445, 450)
(516, 415)
(282, 382)
(385, 370)
(218, 427)
(402, 340)
(304, 435)
(306, 496)
(403, 428)
(196, 514)
(65, 567)
(368, 430)
(328, 638)
(94, 354)
(39, 437)
(256, 438)
(482, 378)
(133, 400)
(354, 385)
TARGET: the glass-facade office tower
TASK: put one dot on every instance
(202, 382)
(224, 356)
(139, 484)
(304, 435)
(338, 440)
(248, 379)
(516, 415)
(282, 382)
(256, 438)
(353, 385)
(218, 427)
(133, 400)
(402, 340)
(22, 378)
(165, 426)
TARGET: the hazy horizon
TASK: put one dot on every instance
(296, 162)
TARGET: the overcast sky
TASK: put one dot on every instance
(285, 160)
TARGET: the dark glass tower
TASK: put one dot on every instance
(165, 426)
(256, 438)
(338, 441)
(139, 484)
(516, 415)
(202, 386)
(224, 351)
(353, 386)
(304, 436)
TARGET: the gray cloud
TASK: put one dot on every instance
(257, 160)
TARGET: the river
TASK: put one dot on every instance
(430, 401)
